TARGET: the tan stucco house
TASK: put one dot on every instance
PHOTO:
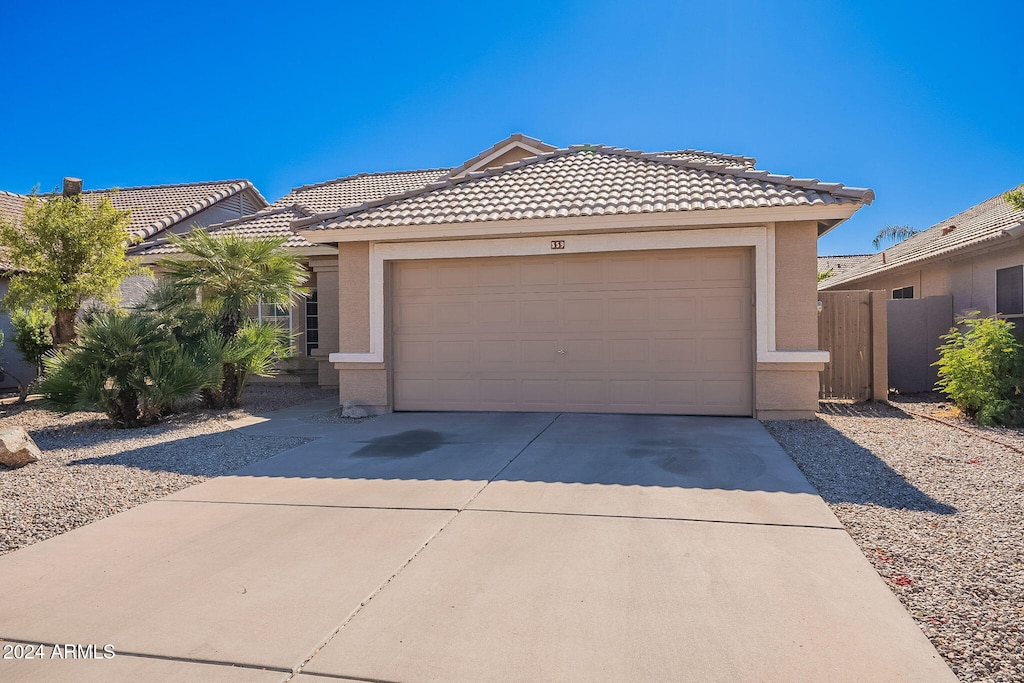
(586, 278)
(976, 256)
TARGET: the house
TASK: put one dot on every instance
(585, 278)
(975, 256)
(156, 210)
(973, 261)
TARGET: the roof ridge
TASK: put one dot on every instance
(443, 182)
(862, 194)
(165, 186)
(722, 155)
(14, 194)
(364, 174)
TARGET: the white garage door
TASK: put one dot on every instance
(634, 332)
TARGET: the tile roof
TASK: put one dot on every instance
(980, 225)
(711, 157)
(587, 180)
(838, 264)
(356, 189)
(155, 207)
(307, 200)
(12, 205)
(271, 222)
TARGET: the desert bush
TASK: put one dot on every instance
(129, 366)
(981, 369)
(33, 336)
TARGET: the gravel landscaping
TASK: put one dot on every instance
(937, 505)
(91, 470)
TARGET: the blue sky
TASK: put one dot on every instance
(921, 102)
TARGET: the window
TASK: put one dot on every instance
(279, 314)
(903, 293)
(312, 323)
(1010, 291)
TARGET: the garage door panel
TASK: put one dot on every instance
(640, 332)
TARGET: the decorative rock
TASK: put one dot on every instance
(17, 448)
(350, 409)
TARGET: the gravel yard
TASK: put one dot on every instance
(91, 470)
(939, 512)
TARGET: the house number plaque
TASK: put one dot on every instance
(558, 244)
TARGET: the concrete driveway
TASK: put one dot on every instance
(473, 547)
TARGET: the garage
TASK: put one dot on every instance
(637, 332)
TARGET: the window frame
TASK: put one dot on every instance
(903, 291)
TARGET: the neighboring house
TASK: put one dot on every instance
(839, 264)
(156, 210)
(976, 256)
(587, 278)
(973, 261)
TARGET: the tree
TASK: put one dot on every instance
(230, 275)
(66, 250)
(893, 233)
(1015, 198)
(827, 274)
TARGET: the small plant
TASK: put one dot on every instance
(981, 369)
(130, 367)
(33, 336)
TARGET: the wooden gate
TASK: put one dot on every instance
(852, 328)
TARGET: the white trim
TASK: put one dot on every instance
(761, 238)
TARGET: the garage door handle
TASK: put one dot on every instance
(561, 351)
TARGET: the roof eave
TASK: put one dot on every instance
(992, 241)
(667, 220)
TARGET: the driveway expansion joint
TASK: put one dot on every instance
(437, 533)
(658, 519)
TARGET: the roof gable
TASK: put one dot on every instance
(981, 225)
(590, 180)
(510, 150)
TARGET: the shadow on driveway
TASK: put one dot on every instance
(613, 450)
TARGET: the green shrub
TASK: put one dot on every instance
(981, 369)
(33, 336)
(253, 348)
(130, 367)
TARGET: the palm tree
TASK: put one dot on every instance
(229, 275)
(894, 233)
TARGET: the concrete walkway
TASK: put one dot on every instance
(473, 547)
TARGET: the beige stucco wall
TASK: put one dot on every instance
(790, 390)
(366, 383)
(970, 278)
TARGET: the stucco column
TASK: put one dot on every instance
(790, 390)
(364, 383)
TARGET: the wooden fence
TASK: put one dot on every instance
(852, 328)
